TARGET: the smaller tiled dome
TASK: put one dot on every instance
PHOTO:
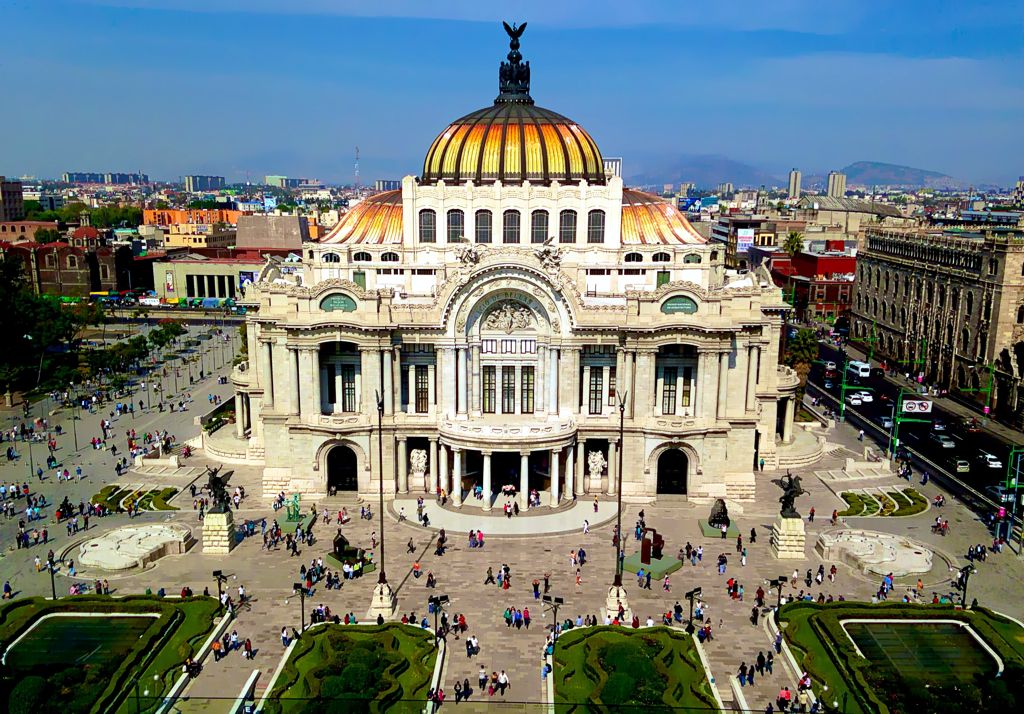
(648, 220)
(377, 219)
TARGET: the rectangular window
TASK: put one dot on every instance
(567, 227)
(489, 346)
(632, 271)
(539, 227)
(190, 286)
(348, 387)
(332, 394)
(422, 390)
(231, 286)
(508, 347)
(612, 379)
(488, 389)
(428, 226)
(200, 286)
(668, 390)
(222, 286)
(510, 228)
(359, 278)
(526, 392)
(483, 226)
(687, 385)
(595, 227)
(456, 227)
(528, 347)
(596, 389)
(508, 390)
(664, 277)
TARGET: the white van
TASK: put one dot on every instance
(858, 369)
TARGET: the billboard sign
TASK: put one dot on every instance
(744, 239)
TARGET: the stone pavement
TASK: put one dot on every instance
(567, 519)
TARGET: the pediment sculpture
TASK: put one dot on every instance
(509, 316)
(596, 464)
(418, 461)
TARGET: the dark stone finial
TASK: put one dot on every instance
(514, 75)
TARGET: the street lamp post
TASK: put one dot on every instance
(53, 580)
(437, 602)
(691, 596)
(551, 604)
(383, 578)
(621, 397)
(221, 578)
(777, 583)
(301, 589)
(965, 575)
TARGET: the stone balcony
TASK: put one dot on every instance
(502, 433)
(241, 375)
(787, 378)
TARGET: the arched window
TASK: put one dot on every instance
(538, 226)
(634, 258)
(72, 262)
(886, 281)
(428, 226)
(665, 258)
(965, 340)
(390, 257)
(693, 258)
(510, 227)
(1020, 315)
(331, 258)
(51, 260)
(595, 227)
(361, 256)
(885, 310)
(483, 226)
(969, 303)
(456, 225)
(567, 227)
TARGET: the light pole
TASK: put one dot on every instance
(53, 581)
(301, 589)
(221, 578)
(965, 575)
(551, 604)
(383, 578)
(691, 596)
(777, 583)
(621, 398)
(437, 602)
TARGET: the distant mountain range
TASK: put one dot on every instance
(709, 170)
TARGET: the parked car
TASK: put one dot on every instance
(963, 466)
(999, 493)
(830, 365)
(990, 460)
(942, 440)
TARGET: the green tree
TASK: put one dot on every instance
(794, 243)
(801, 352)
(48, 235)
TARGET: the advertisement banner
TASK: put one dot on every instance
(744, 239)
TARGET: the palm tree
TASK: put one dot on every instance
(801, 352)
(794, 243)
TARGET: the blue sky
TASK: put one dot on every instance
(250, 87)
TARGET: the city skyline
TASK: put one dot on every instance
(293, 88)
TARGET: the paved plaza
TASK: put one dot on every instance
(532, 545)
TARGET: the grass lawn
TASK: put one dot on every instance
(907, 667)
(356, 668)
(155, 499)
(601, 668)
(90, 664)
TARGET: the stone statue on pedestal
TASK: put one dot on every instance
(791, 488)
(596, 464)
(417, 462)
(719, 515)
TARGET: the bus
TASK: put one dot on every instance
(859, 370)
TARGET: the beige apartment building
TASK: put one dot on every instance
(948, 305)
(526, 321)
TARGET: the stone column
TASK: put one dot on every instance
(368, 385)
(627, 383)
(246, 412)
(553, 380)
(787, 424)
(569, 380)
(524, 480)
(266, 374)
(433, 466)
(753, 356)
(659, 385)
(474, 395)
(462, 380)
(680, 380)
(487, 480)
(411, 389)
(555, 486)
(293, 381)
(540, 393)
(403, 465)
(613, 465)
(644, 385)
(339, 388)
(698, 383)
(239, 415)
(723, 384)
(584, 407)
(456, 489)
(396, 378)
(570, 474)
(388, 383)
(306, 392)
(445, 475)
(327, 375)
(581, 466)
(431, 390)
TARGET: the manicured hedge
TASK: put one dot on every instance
(608, 667)
(817, 639)
(183, 627)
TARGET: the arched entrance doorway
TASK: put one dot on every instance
(342, 470)
(672, 469)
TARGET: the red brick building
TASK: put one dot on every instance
(62, 269)
(14, 231)
(818, 284)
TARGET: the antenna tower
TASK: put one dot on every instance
(357, 168)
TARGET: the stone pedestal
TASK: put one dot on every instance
(383, 603)
(788, 538)
(617, 595)
(218, 533)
